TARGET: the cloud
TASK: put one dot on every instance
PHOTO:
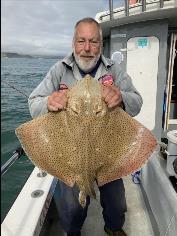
(43, 26)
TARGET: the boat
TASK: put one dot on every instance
(141, 36)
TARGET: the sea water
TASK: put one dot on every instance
(24, 74)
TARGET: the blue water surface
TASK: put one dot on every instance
(24, 74)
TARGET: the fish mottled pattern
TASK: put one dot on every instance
(87, 141)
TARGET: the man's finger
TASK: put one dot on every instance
(115, 102)
(52, 108)
(106, 91)
(109, 97)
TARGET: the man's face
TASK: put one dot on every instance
(87, 46)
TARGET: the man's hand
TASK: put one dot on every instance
(112, 96)
(57, 101)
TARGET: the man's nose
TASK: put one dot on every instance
(87, 46)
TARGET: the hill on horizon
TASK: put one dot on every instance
(18, 55)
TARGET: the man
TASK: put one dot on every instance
(51, 95)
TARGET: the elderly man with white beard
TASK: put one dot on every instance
(118, 90)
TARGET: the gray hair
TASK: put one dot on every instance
(88, 20)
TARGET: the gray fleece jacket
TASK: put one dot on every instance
(66, 72)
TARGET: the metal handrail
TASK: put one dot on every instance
(16, 155)
(111, 9)
(127, 6)
(161, 3)
(143, 5)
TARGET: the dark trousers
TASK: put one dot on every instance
(72, 215)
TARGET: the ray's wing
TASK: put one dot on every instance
(123, 145)
(51, 144)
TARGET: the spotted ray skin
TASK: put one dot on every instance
(87, 141)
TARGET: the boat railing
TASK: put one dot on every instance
(130, 5)
(19, 152)
(16, 155)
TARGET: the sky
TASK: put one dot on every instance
(44, 27)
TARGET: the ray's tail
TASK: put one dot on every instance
(86, 186)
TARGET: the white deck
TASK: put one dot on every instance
(26, 224)
(137, 220)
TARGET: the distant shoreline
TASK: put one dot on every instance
(17, 55)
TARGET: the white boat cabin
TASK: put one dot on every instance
(142, 36)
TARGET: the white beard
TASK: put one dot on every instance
(86, 66)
